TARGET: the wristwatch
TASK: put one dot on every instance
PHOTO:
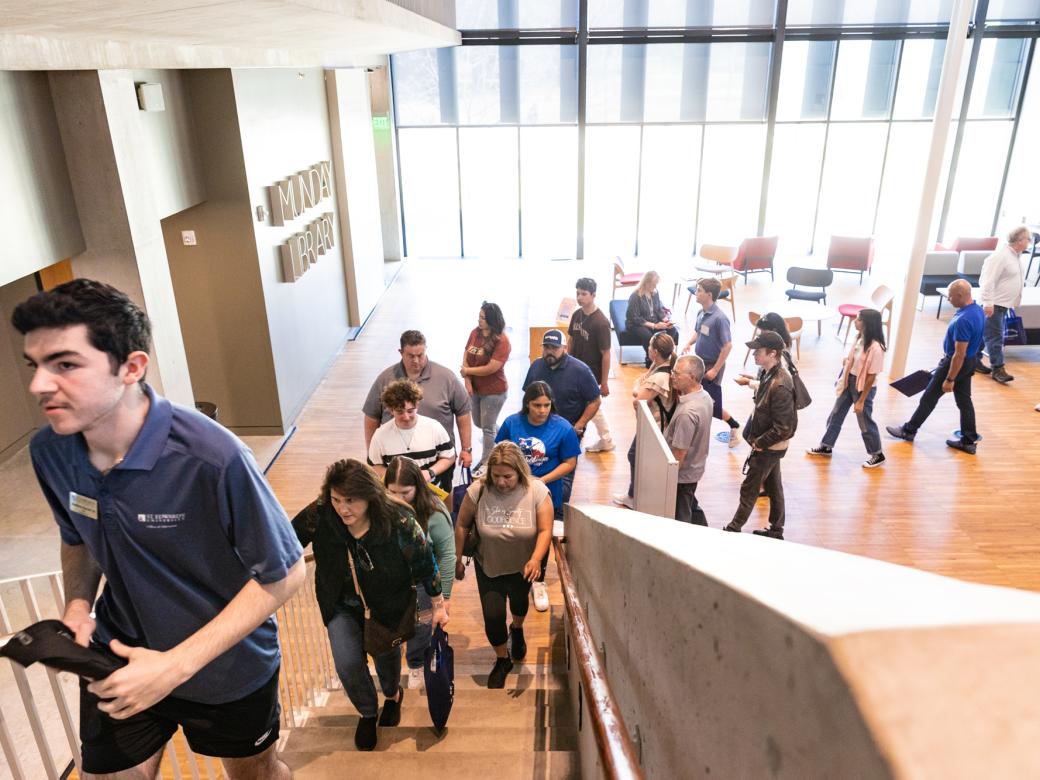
(467, 449)
(431, 472)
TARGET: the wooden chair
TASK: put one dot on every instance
(882, 299)
(537, 332)
(622, 279)
(716, 253)
(728, 292)
(794, 327)
(753, 318)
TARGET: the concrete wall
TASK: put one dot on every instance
(284, 122)
(168, 146)
(739, 656)
(357, 189)
(107, 161)
(217, 282)
(19, 414)
(38, 217)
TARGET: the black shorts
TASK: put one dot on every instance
(236, 729)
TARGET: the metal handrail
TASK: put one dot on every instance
(613, 742)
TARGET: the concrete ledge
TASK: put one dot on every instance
(740, 656)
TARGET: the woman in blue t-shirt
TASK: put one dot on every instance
(547, 441)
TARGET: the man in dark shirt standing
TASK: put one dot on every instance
(575, 390)
(961, 347)
(588, 340)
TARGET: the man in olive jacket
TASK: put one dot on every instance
(769, 430)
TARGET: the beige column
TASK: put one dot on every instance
(904, 322)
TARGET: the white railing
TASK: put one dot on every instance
(30, 706)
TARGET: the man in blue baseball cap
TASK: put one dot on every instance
(577, 399)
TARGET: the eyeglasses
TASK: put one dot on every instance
(364, 559)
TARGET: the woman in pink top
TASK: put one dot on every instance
(856, 389)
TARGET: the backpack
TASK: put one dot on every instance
(666, 412)
(801, 393)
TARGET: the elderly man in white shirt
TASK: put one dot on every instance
(1001, 284)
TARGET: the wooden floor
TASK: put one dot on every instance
(929, 507)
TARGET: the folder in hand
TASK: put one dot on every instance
(912, 384)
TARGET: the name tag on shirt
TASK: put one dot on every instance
(705, 330)
(83, 505)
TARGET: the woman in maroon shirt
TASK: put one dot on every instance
(483, 369)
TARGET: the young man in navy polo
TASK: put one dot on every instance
(711, 335)
(171, 508)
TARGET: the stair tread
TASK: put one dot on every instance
(524, 697)
(504, 713)
(471, 739)
(555, 765)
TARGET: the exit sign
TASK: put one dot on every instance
(380, 123)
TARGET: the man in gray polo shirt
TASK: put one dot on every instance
(688, 434)
(444, 397)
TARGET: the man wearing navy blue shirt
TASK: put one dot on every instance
(961, 346)
(575, 389)
(171, 508)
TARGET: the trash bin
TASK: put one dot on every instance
(207, 408)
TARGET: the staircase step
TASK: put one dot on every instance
(504, 713)
(454, 739)
(522, 697)
(556, 765)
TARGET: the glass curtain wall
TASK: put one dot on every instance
(679, 132)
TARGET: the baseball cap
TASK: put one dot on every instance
(553, 338)
(767, 339)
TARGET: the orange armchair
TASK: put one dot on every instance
(853, 255)
(755, 255)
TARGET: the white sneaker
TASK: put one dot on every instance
(416, 679)
(541, 596)
(603, 445)
(734, 437)
(625, 500)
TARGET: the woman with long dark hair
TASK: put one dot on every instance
(546, 439)
(483, 369)
(405, 480)
(514, 516)
(856, 389)
(358, 530)
(654, 387)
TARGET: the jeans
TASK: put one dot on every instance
(494, 592)
(416, 646)
(485, 410)
(763, 474)
(346, 635)
(687, 510)
(993, 333)
(867, 427)
(961, 395)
